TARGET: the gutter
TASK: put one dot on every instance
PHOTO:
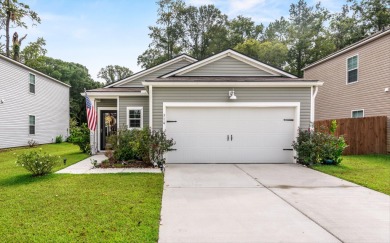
(233, 84)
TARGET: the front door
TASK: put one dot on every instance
(108, 123)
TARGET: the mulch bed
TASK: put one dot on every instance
(132, 164)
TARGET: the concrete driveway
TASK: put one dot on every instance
(268, 203)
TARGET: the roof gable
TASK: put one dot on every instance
(229, 63)
(136, 79)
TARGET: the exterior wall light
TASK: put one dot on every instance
(232, 96)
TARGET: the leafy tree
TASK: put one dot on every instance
(345, 29)
(33, 51)
(242, 28)
(114, 73)
(307, 36)
(165, 35)
(15, 12)
(374, 15)
(274, 53)
(277, 31)
(202, 26)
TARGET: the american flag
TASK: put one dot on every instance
(91, 114)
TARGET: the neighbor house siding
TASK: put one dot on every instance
(227, 66)
(158, 73)
(135, 101)
(336, 99)
(49, 105)
(161, 95)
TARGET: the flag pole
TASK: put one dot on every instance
(92, 132)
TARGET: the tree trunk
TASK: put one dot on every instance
(7, 22)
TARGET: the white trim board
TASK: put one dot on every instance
(296, 105)
(233, 54)
(234, 84)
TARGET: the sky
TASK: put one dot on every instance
(97, 33)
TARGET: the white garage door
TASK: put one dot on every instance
(230, 134)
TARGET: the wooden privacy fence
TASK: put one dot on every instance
(367, 135)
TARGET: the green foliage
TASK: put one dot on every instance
(121, 144)
(33, 51)
(37, 163)
(243, 28)
(274, 53)
(141, 144)
(59, 139)
(333, 127)
(114, 73)
(15, 12)
(315, 147)
(80, 135)
(159, 145)
(372, 15)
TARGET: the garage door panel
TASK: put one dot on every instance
(198, 140)
(261, 141)
(259, 134)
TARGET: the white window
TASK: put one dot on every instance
(134, 117)
(32, 83)
(357, 113)
(31, 125)
(352, 69)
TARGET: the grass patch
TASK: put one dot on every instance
(69, 208)
(372, 171)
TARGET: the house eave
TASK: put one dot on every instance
(114, 94)
(233, 84)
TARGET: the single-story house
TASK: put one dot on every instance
(33, 106)
(227, 108)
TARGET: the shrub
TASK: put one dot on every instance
(32, 143)
(316, 147)
(37, 163)
(159, 145)
(80, 136)
(59, 139)
(120, 142)
(141, 144)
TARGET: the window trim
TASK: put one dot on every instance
(35, 125)
(29, 83)
(140, 108)
(355, 111)
(357, 68)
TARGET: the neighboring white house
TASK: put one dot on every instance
(33, 106)
(228, 108)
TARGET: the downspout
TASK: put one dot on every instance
(312, 107)
(151, 107)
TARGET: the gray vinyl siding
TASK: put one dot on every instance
(158, 73)
(161, 95)
(227, 66)
(49, 105)
(106, 103)
(135, 101)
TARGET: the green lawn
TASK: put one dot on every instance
(69, 208)
(372, 171)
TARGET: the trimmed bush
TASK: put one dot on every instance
(80, 135)
(318, 147)
(59, 139)
(37, 163)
